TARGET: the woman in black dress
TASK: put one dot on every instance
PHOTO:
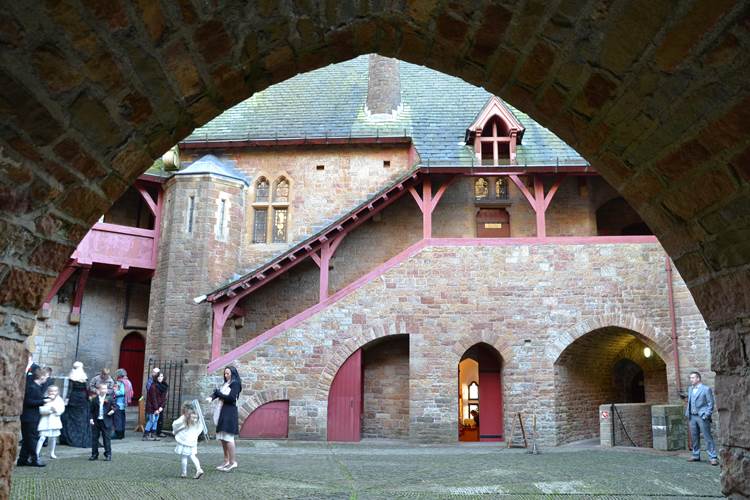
(76, 430)
(227, 427)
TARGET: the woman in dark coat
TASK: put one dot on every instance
(76, 429)
(227, 426)
(156, 402)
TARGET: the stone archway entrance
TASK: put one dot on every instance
(654, 95)
(480, 395)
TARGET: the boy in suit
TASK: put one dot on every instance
(102, 407)
(699, 409)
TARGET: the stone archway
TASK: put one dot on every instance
(654, 95)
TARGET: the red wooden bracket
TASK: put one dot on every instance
(61, 279)
(75, 313)
(147, 198)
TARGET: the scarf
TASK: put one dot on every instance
(162, 387)
(128, 389)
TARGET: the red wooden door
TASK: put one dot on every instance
(269, 421)
(493, 223)
(132, 353)
(490, 406)
(345, 401)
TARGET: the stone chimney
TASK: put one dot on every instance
(384, 86)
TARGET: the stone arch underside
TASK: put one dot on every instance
(584, 378)
(653, 95)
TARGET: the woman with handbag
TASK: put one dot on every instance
(225, 416)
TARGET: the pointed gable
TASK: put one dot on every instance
(495, 108)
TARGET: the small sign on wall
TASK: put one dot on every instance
(605, 415)
(492, 225)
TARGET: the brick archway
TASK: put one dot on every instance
(654, 95)
(250, 404)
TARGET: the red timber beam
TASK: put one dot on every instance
(75, 312)
(155, 206)
(62, 278)
(322, 258)
(427, 202)
(539, 201)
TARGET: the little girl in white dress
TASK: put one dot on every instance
(50, 423)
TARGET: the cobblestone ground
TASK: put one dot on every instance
(270, 469)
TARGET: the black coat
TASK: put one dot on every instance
(109, 404)
(33, 398)
(228, 420)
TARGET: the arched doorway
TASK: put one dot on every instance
(480, 395)
(627, 380)
(369, 396)
(132, 355)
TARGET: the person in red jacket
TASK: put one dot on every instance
(156, 401)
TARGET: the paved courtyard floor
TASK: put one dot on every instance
(276, 469)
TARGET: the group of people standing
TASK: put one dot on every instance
(48, 414)
(95, 409)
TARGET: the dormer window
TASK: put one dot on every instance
(495, 134)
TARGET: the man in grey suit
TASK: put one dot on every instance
(699, 410)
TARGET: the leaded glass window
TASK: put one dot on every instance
(280, 222)
(260, 225)
(261, 190)
(281, 190)
(481, 188)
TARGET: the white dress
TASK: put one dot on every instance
(50, 422)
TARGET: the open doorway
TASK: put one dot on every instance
(480, 395)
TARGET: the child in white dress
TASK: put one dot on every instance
(50, 423)
(186, 430)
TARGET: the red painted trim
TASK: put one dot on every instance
(673, 321)
(75, 313)
(116, 228)
(218, 361)
(549, 240)
(427, 208)
(61, 279)
(301, 141)
(157, 227)
(156, 179)
(146, 197)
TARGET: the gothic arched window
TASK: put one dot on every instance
(271, 211)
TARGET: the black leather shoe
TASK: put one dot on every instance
(22, 464)
(38, 464)
(107, 459)
(94, 457)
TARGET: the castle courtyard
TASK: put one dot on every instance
(370, 469)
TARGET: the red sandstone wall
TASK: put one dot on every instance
(446, 300)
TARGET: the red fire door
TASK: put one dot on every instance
(490, 406)
(132, 353)
(345, 401)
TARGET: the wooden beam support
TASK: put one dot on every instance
(222, 311)
(538, 200)
(75, 313)
(62, 278)
(152, 205)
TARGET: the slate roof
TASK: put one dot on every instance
(330, 102)
(209, 164)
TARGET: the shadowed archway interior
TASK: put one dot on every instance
(653, 94)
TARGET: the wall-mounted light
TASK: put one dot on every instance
(647, 352)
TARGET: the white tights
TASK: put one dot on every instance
(52, 444)
(183, 463)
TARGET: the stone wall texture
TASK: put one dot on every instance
(653, 94)
(447, 299)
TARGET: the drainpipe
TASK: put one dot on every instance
(672, 317)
